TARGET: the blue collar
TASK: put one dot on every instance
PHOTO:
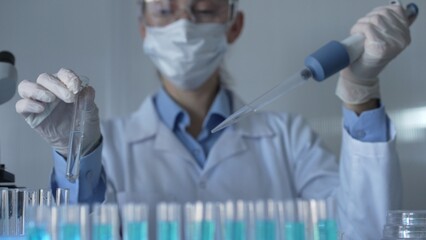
(173, 116)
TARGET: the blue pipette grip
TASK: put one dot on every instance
(335, 56)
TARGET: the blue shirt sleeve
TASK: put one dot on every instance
(90, 186)
(371, 126)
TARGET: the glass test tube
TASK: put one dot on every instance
(293, 219)
(13, 203)
(76, 133)
(265, 220)
(105, 223)
(168, 221)
(73, 222)
(201, 221)
(237, 220)
(4, 212)
(135, 221)
(62, 196)
(327, 227)
(38, 223)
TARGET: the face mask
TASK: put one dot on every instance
(187, 54)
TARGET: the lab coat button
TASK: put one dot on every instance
(202, 184)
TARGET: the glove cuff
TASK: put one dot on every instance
(357, 92)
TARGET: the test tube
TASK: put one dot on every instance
(4, 212)
(38, 222)
(135, 221)
(73, 222)
(327, 226)
(76, 133)
(105, 222)
(168, 221)
(62, 196)
(293, 219)
(202, 221)
(237, 220)
(265, 220)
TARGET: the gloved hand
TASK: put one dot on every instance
(48, 108)
(387, 33)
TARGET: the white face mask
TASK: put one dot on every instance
(187, 54)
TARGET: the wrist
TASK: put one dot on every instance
(352, 89)
(362, 107)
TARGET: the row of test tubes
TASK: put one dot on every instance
(14, 204)
(240, 220)
(261, 220)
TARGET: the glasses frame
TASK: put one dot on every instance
(232, 6)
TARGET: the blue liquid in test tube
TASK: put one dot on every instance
(168, 230)
(294, 231)
(70, 232)
(37, 233)
(203, 230)
(265, 230)
(103, 232)
(137, 231)
(327, 230)
(235, 230)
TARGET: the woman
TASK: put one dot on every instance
(166, 152)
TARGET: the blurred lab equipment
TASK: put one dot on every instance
(325, 62)
(202, 221)
(169, 221)
(8, 78)
(135, 221)
(404, 224)
(231, 220)
(105, 222)
(17, 206)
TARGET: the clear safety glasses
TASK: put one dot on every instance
(159, 13)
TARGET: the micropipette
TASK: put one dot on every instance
(325, 62)
(76, 134)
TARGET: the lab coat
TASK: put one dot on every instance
(265, 156)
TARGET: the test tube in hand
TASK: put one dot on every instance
(76, 133)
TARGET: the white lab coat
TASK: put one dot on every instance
(265, 156)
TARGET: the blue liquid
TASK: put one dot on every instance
(265, 230)
(235, 230)
(327, 230)
(294, 231)
(167, 230)
(203, 230)
(136, 231)
(37, 233)
(70, 232)
(102, 232)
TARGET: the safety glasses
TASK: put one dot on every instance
(159, 13)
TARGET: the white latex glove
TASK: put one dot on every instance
(387, 33)
(48, 108)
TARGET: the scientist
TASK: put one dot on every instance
(165, 152)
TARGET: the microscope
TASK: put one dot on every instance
(8, 78)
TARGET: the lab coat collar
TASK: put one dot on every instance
(145, 122)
